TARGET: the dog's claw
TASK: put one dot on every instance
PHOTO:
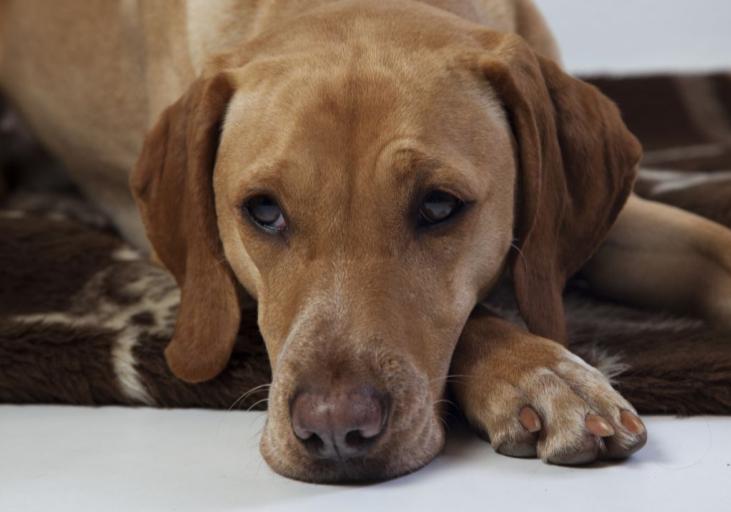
(598, 426)
(632, 422)
(530, 419)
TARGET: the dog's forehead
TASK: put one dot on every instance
(331, 93)
(357, 116)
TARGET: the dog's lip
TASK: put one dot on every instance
(355, 471)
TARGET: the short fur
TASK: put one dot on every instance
(390, 100)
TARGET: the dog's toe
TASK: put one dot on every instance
(576, 454)
(522, 439)
(509, 434)
(521, 449)
(583, 446)
(630, 437)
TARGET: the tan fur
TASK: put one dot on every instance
(651, 242)
(495, 379)
(346, 111)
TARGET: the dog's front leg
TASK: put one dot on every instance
(533, 397)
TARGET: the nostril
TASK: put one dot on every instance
(369, 414)
(339, 423)
(313, 443)
(357, 440)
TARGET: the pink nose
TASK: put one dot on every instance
(339, 424)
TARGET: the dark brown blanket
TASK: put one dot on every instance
(84, 319)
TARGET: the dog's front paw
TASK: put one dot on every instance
(554, 406)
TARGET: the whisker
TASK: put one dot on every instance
(445, 410)
(448, 376)
(458, 379)
(263, 400)
(246, 394)
(451, 378)
(445, 401)
(520, 253)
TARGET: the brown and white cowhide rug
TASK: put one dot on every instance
(84, 319)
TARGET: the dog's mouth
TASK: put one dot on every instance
(351, 429)
(389, 457)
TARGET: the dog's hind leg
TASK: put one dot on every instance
(662, 257)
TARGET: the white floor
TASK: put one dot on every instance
(117, 459)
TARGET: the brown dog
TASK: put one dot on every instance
(367, 171)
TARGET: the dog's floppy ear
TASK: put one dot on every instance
(577, 163)
(172, 184)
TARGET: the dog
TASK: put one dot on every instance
(360, 175)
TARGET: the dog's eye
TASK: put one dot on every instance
(266, 213)
(437, 207)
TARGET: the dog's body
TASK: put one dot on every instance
(339, 111)
(117, 77)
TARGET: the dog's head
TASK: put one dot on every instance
(368, 186)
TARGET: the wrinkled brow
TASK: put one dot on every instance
(427, 172)
(261, 178)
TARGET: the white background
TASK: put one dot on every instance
(636, 36)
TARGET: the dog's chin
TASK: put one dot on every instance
(394, 458)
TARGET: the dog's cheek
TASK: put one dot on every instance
(276, 444)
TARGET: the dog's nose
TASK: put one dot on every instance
(340, 424)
